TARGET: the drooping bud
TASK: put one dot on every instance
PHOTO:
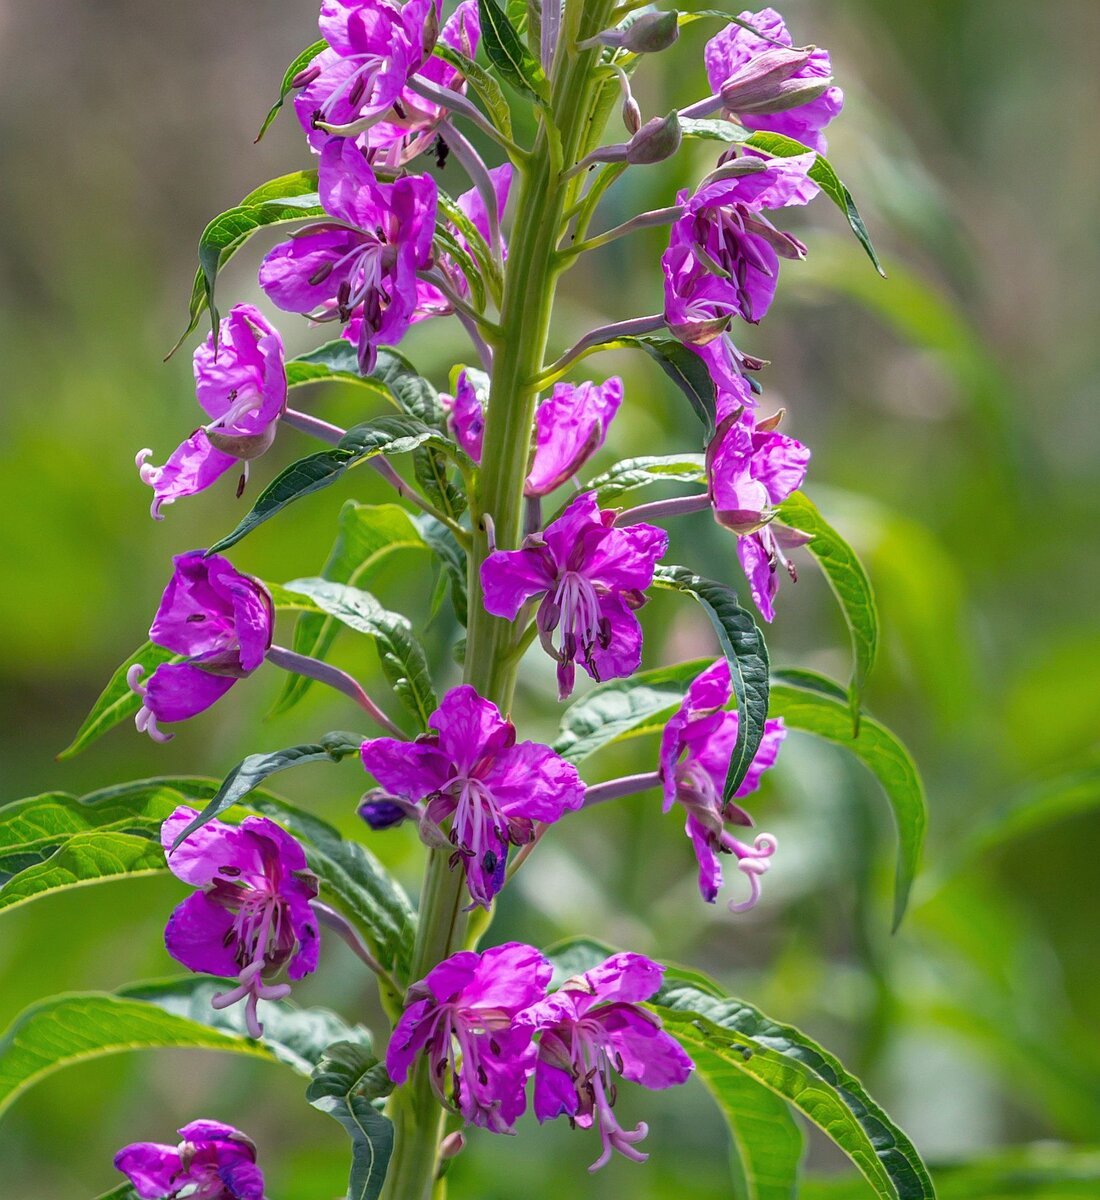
(657, 140)
(652, 32)
(765, 84)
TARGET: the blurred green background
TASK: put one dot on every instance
(950, 410)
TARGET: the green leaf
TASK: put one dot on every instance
(849, 583)
(367, 535)
(75, 1028)
(725, 1036)
(714, 130)
(883, 755)
(826, 178)
(335, 361)
(85, 859)
(256, 768)
(623, 708)
(123, 1192)
(487, 88)
(743, 645)
(346, 1080)
(414, 394)
(444, 545)
(690, 374)
(299, 64)
(401, 655)
(766, 1142)
(633, 473)
(383, 435)
(506, 51)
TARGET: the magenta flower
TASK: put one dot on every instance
(364, 262)
(750, 467)
(570, 426)
(590, 1026)
(252, 917)
(212, 1162)
(374, 47)
(792, 90)
(473, 771)
(222, 620)
(696, 747)
(591, 577)
(462, 1016)
(241, 385)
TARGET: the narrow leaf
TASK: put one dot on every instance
(296, 67)
(632, 473)
(506, 51)
(487, 88)
(714, 130)
(335, 361)
(690, 374)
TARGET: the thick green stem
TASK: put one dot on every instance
(529, 284)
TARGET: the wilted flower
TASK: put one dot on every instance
(212, 1162)
(363, 264)
(252, 917)
(222, 620)
(240, 381)
(462, 1016)
(591, 1027)
(473, 771)
(591, 577)
(696, 747)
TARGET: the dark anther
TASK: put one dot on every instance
(399, 108)
(442, 152)
(494, 1045)
(489, 861)
(231, 871)
(356, 93)
(191, 620)
(240, 485)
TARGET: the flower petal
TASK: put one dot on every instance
(177, 691)
(531, 781)
(412, 770)
(200, 935)
(150, 1167)
(649, 1055)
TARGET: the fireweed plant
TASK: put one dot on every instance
(531, 550)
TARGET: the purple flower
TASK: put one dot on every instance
(473, 771)
(591, 577)
(591, 1026)
(222, 620)
(212, 1162)
(363, 263)
(749, 468)
(570, 427)
(374, 47)
(241, 385)
(462, 1016)
(695, 754)
(744, 68)
(252, 917)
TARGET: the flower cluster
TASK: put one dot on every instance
(486, 1024)
(212, 1162)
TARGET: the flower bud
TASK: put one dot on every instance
(652, 32)
(242, 445)
(452, 1145)
(632, 115)
(657, 139)
(766, 84)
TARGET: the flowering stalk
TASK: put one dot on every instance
(529, 281)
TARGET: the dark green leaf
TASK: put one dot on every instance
(506, 51)
(336, 361)
(402, 658)
(690, 374)
(413, 392)
(743, 645)
(256, 768)
(849, 583)
(446, 548)
(887, 759)
(634, 473)
(826, 178)
(483, 83)
(344, 1083)
(299, 64)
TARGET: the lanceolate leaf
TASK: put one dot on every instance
(344, 1083)
(634, 473)
(78, 1027)
(445, 546)
(881, 752)
(402, 658)
(850, 584)
(296, 67)
(335, 361)
(505, 50)
(688, 371)
(487, 88)
(256, 768)
(383, 435)
(715, 130)
(826, 178)
(765, 1140)
(743, 645)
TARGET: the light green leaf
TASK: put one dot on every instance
(714, 129)
(487, 88)
(506, 51)
(632, 473)
(883, 755)
(743, 645)
(849, 583)
(298, 65)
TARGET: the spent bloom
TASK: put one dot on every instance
(251, 917)
(591, 1028)
(769, 86)
(696, 747)
(570, 426)
(591, 577)
(221, 621)
(212, 1162)
(473, 771)
(363, 263)
(240, 382)
(462, 1015)
(374, 46)
(750, 467)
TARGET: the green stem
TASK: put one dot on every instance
(529, 283)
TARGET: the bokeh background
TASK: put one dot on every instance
(951, 414)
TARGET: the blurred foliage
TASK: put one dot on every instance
(949, 411)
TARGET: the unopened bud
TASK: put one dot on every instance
(652, 32)
(632, 115)
(767, 83)
(657, 140)
(452, 1145)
